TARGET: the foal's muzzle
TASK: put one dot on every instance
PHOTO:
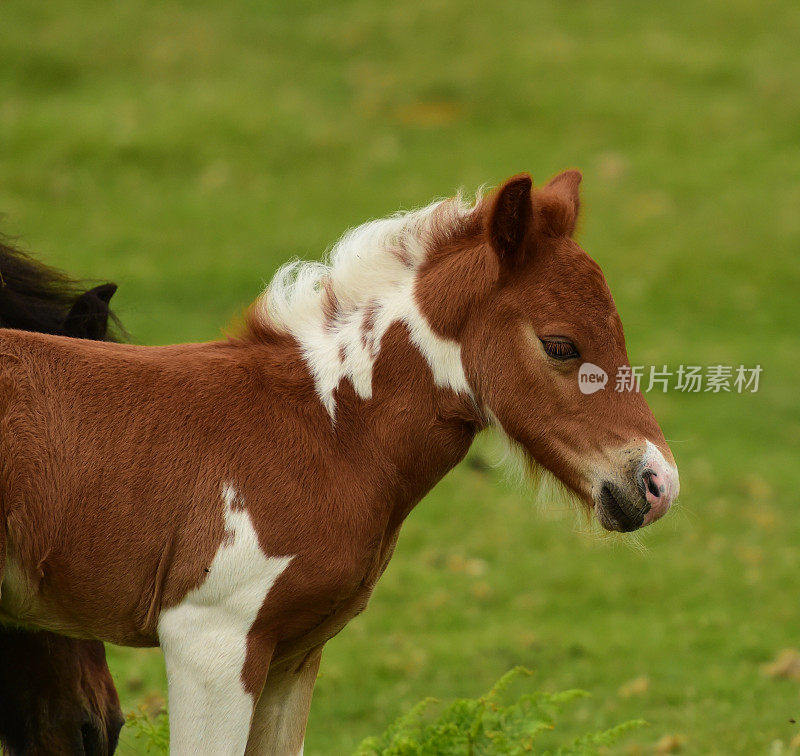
(642, 492)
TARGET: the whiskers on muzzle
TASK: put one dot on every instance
(638, 492)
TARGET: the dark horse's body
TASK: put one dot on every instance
(56, 693)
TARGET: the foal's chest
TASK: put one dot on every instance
(338, 594)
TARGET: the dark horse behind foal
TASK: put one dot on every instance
(56, 693)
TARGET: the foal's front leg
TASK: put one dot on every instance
(279, 723)
(209, 638)
(210, 708)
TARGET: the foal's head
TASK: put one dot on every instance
(529, 307)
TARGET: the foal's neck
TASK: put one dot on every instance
(415, 422)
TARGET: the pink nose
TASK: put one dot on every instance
(661, 484)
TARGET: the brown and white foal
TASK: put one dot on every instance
(236, 501)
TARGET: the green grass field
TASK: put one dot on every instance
(185, 150)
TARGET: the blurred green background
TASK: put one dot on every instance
(185, 150)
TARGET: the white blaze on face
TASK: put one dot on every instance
(654, 459)
(204, 639)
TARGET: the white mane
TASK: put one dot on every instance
(339, 310)
(367, 262)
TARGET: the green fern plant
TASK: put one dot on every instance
(152, 731)
(488, 726)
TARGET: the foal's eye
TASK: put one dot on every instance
(560, 349)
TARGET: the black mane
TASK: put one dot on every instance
(37, 297)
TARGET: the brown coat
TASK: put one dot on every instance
(350, 394)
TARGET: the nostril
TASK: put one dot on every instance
(652, 486)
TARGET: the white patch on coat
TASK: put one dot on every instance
(367, 285)
(204, 640)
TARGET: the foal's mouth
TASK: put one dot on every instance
(616, 512)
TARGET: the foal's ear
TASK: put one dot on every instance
(557, 205)
(511, 218)
(88, 318)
